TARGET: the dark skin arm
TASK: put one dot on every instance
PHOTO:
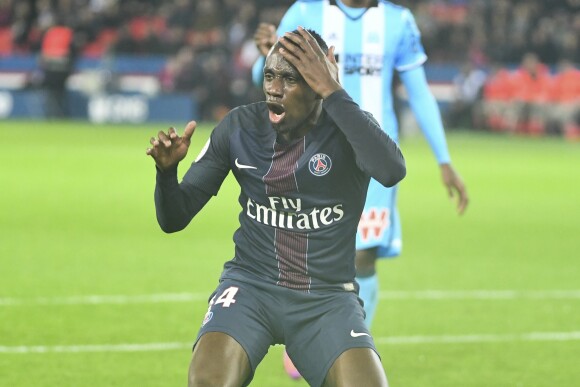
(455, 187)
(265, 37)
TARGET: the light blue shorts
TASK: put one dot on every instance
(379, 224)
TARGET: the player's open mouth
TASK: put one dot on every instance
(276, 111)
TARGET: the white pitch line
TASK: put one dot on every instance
(147, 347)
(107, 299)
(396, 340)
(481, 294)
(390, 295)
(481, 338)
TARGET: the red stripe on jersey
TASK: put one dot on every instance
(291, 250)
(291, 247)
(280, 178)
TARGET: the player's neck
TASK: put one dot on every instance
(286, 137)
(356, 3)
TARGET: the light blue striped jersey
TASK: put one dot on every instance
(369, 43)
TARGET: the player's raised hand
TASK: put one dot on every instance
(265, 37)
(455, 187)
(168, 149)
(320, 71)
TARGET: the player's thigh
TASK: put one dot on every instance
(244, 313)
(321, 327)
(218, 360)
(364, 261)
(356, 367)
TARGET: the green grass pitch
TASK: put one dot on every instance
(93, 293)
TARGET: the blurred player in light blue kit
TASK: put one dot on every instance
(372, 39)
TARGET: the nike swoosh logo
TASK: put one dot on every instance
(243, 166)
(358, 334)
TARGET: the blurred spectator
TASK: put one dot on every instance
(58, 53)
(203, 77)
(182, 73)
(531, 83)
(24, 17)
(181, 14)
(531, 100)
(124, 43)
(5, 13)
(173, 39)
(498, 100)
(217, 81)
(207, 15)
(565, 101)
(467, 87)
(107, 13)
(150, 42)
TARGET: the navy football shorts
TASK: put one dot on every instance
(316, 327)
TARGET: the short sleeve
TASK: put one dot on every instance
(410, 52)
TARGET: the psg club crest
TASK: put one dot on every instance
(207, 317)
(319, 164)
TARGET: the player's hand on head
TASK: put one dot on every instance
(265, 37)
(455, 187)
(168, 148)
(333, 66)
(317, 69)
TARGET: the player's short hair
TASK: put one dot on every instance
(316, 37)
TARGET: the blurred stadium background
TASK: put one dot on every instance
(92, 293)
(498, 65)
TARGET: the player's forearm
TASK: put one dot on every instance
(376, 153)
(174, 205)
(429, 119)
(426, 111)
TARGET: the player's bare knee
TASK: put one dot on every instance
(198, 379)
(203, 378)
(356, 367)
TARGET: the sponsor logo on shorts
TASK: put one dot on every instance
(319, 164)
(208, 316)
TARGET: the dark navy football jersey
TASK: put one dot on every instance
(301, 201)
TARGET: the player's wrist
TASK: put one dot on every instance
(166, 169)
(328, 92)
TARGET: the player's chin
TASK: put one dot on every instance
(280, 128)
(280, 123)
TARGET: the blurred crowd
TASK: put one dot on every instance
(529, 99)
(498, 30)
(209, 47)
